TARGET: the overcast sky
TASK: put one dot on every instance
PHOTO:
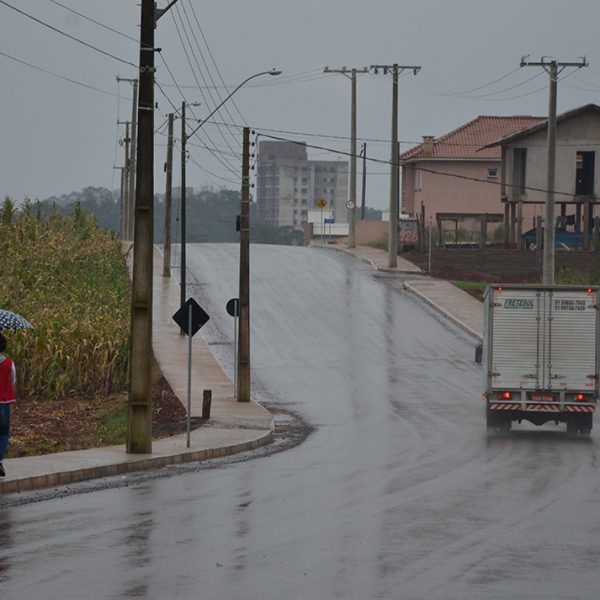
(58, 136)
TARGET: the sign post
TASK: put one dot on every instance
(233, 308)
(322, 203)
(190, 318)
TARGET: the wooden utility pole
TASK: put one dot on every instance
(351, 204)
(553, 68)
(243, 390)
(395, 70)
(168, 202)
(139, 430)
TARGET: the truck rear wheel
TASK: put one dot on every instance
(497, 422)
(579, 424)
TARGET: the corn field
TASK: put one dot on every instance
(68, 278)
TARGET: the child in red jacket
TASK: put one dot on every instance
(8, 378)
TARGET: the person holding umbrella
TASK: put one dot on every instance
(8, 379)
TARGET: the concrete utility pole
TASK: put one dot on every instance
(553, 68)
(127, 233)
(395, 69)
(132, 159)
(139, 430)
(183, 210)
(364, 182)
(125, 183)
(168, 200)
(243, 390)
(351, 204)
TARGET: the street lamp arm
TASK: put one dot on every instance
(161, 11)
(272, 72)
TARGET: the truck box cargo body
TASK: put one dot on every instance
(540, 353)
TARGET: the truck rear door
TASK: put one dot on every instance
(543, 339)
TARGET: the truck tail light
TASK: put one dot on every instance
(580, 397)
(504, 395)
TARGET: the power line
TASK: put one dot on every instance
(420, 168)
(226, 164)
(63, 77)
(479, 87)
(215, 65)
(79, 14)
(68, 35)
(214, 102)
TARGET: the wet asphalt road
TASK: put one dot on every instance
(398, 492)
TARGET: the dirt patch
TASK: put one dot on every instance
(41, 426)
(497, 264)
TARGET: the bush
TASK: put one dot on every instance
(68, 278)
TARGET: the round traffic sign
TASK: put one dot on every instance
(349, 205)
(233, 307)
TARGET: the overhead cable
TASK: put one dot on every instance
(68, 35)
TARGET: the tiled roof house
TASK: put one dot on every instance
(457, 173)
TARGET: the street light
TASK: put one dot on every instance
(184, 138)
(273, 72)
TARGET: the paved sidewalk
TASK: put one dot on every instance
(233, 427)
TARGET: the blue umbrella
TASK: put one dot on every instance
(11, 320)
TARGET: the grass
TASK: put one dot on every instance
(113, 430)
(381, 244)
(472, 287)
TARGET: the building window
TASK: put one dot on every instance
(304, 201)
(492, 174)
(418, 180)
(304, 191)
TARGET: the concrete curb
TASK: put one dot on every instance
(141, 462)
(438, 308)
(372, 263)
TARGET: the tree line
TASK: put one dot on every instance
(211, 216)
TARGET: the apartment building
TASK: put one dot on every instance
(288, 184)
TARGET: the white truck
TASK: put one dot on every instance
(540, 355)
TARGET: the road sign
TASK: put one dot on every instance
(321, 202)
(349, 205)
(233, 307)
(329, 221)
(182, 317)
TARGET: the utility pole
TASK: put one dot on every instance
(139, 430)
(243, 390)
(351, 204)
(125, 183)
(132, 159)
(364, 182)
(183, 210)
(395, 69)
(122, 171)
(168, 198)
(130, 181)
(553, 68)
